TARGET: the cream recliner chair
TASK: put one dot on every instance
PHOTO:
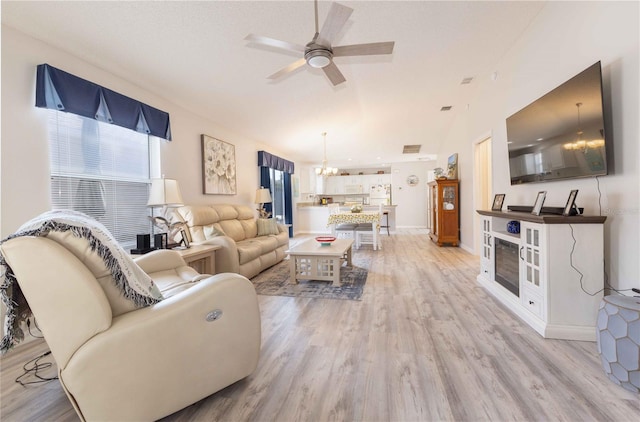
(116, 362)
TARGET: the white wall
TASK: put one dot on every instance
(411, 201)
(24, 165)
(566, 38)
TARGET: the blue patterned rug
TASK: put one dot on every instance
(275, 282)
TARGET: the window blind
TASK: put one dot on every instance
(101, 170)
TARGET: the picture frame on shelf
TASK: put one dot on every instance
(218, 167)
(185, 239)
(537, 206)
(498, 200)
(160, 240)
(569, 209)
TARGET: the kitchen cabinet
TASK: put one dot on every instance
(310, 182)
(344, 185)
(375, 179)
(333, 185)
(445, 212)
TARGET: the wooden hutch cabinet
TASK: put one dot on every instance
(445, 212)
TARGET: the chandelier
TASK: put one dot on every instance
(326, 171)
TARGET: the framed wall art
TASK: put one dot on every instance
(452, 167)
(218, 167)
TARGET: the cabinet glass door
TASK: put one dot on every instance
(531, 256)
(448, 198)
(486, 239)
(486, 259)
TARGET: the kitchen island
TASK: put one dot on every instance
(313, 218)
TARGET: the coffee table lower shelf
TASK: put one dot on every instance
(311, 261)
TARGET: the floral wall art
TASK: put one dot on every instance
(218, 167)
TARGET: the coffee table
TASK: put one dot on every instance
(312, 261)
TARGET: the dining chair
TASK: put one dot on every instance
(369, 233)
(345, 230)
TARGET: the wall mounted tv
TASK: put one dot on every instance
(560, 135)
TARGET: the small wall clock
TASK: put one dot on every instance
(413, 180)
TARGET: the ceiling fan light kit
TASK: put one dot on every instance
(318, 58)
(319, 53)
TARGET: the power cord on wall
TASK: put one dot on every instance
(606, 276)
(606, 280)
(599, 196)
(573, 247)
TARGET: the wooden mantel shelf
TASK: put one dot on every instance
(545, 218)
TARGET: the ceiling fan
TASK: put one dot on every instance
(319, 52)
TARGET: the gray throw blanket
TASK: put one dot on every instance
(128, 277)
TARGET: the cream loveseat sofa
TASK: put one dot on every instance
(117, 361)
(249, 246)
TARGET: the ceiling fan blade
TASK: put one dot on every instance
(364, 49)
(293, 66)
(337, 17)
(333, 73)
(271, 42)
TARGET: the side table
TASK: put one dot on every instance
(618, 337)
(202, 258)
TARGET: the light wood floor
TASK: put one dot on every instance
(426, 343)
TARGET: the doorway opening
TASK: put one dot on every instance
(482, 190)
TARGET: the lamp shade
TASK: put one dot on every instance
(164, 192)
(262, 196)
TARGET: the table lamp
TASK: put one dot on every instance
(164, 193)
(263, 196)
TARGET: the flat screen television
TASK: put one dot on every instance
(560, 135)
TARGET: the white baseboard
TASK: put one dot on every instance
(563, 332)
(570, 332)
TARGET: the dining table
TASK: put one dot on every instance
(362, 217)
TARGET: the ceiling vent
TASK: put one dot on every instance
(466, 81)
(411, 149)
(446, 108)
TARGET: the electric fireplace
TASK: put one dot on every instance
(507, 269)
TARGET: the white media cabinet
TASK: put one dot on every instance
(551, 297)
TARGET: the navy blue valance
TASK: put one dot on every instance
(59, 90)
(274, 162)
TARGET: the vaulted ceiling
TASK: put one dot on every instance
(194, 54)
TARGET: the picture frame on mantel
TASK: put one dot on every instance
(537, 207)
(498, 200)
(218, 167)
(570, 203)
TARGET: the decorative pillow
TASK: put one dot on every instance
(267, 226)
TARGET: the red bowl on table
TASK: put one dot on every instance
(325, 240)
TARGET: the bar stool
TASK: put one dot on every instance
(385, 215)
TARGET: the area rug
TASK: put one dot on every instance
(275, 282)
